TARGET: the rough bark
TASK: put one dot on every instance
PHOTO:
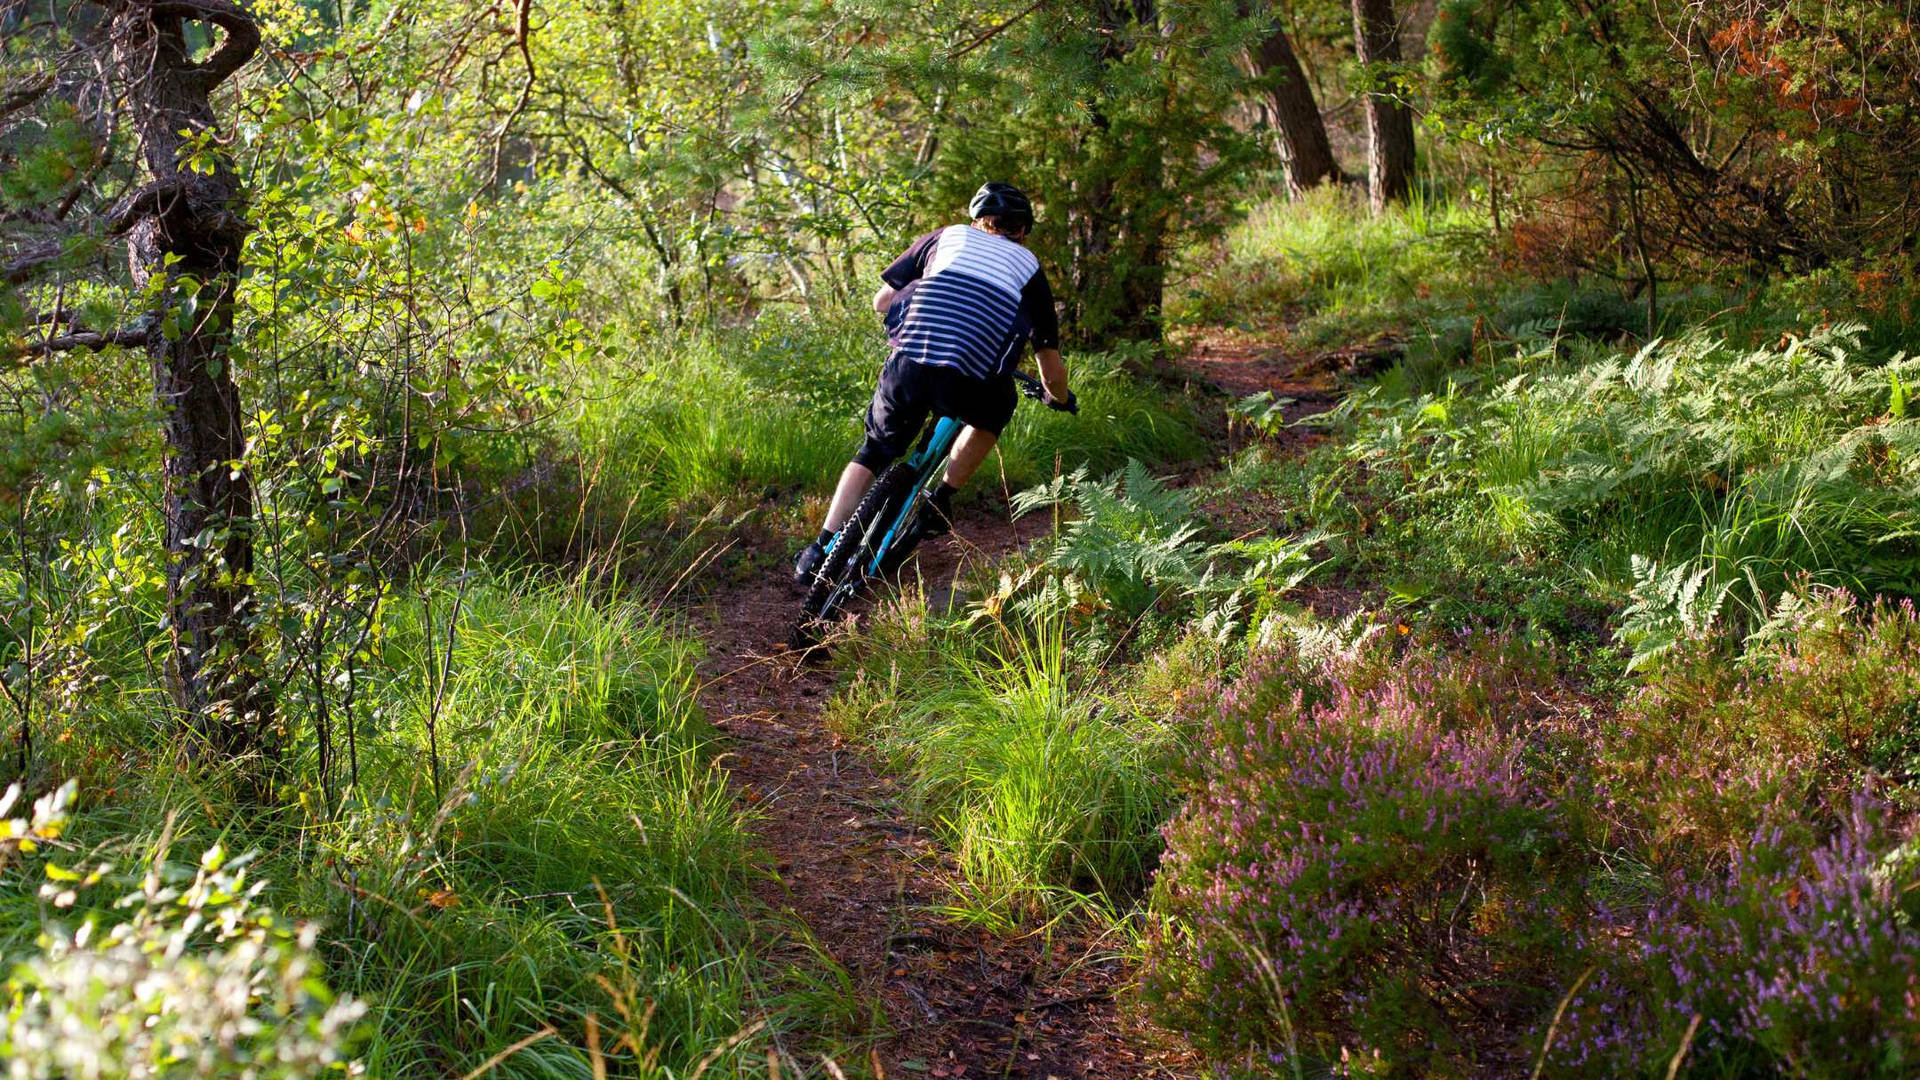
(1376, 37)
(1117, 230)
(1305, 154)
(184, 246)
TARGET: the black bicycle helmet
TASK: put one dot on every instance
(1003, 202)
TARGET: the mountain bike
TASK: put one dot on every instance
(884, 529)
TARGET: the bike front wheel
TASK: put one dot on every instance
(851, 557)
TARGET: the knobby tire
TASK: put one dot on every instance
(853, 547)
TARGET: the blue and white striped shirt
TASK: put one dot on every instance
(969, 299)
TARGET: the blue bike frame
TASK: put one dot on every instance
(923, 463)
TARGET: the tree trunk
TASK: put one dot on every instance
(1117, 229)
(1305, 155)
(1376, 37)
(184, 249)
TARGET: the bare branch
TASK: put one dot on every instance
(14, 100)
(90, 339)
(996, 31)
(30, 264)
(153, 198)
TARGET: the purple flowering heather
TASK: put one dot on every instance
(1366, 866)
(1800, 960)
(1389, 854)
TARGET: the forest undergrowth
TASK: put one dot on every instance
(1558, 722)
(1511, 671)
(1563, 668)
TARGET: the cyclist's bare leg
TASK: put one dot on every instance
(969, 451)
(854, 481)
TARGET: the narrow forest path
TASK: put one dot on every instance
(866, 879)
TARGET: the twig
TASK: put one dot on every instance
(996, 31)
(1553, 1027)
(1686, 1043)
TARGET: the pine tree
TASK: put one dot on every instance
(79, 78)
(1390, 155)
(1306, 154)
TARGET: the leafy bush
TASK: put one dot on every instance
(1361, 847)
(186, 972)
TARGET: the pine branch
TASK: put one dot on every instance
(996, 31)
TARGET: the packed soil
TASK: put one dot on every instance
(866, 881)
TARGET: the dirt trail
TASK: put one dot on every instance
(866, 879)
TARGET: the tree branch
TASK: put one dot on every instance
(29, 265)
(153, 198)
(242, 40)
(91, 339)
(15, 100)
(996, 31)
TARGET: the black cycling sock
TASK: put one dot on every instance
(945, 492)
(825, 537)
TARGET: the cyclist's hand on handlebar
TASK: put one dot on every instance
(1070, 405)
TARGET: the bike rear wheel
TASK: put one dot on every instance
(846, 567)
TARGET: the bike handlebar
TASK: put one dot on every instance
(1037, 390)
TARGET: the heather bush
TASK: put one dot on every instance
(1800, 959)
(1708, 751)
(1366, 866)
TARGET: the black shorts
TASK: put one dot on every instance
(909, 392)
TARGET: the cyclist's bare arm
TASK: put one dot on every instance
(1053, 373)
(883, 299)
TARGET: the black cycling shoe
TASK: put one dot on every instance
(808, 564)
(936, 517)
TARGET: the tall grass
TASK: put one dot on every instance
(559, 793)
(720, 423)
(1334, 270)
(1047, 783)
(540, 839)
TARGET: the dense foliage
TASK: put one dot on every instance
(385, 386)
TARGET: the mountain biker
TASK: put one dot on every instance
(960, 303)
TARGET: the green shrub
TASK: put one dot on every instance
(184, 971)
